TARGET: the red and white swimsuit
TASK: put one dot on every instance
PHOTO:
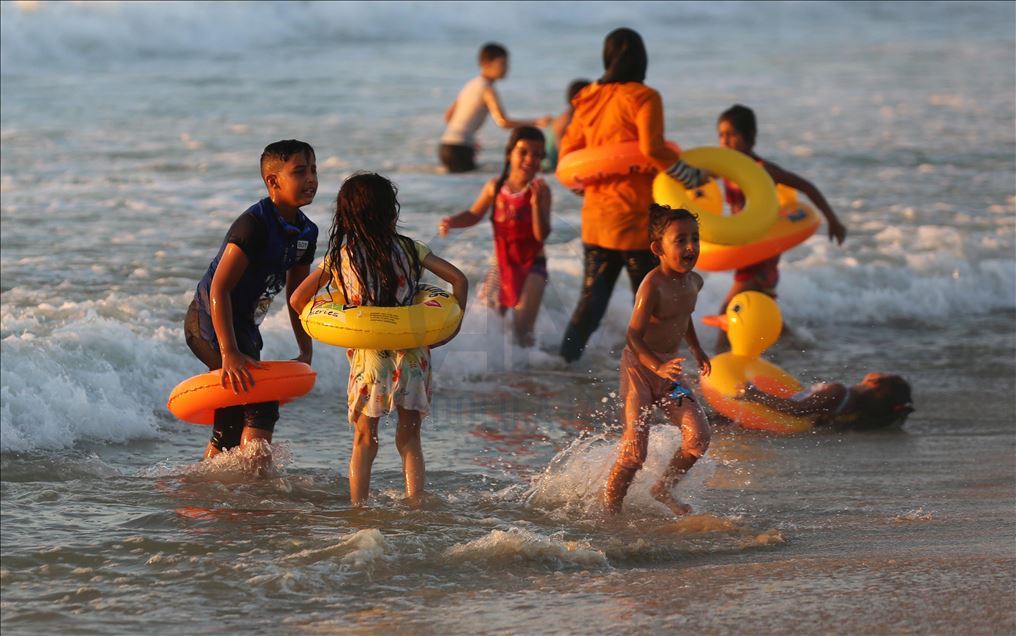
(518, 250)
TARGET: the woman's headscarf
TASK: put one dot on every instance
(624, 57)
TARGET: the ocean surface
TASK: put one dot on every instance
(130, 141)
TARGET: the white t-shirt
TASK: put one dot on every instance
(470, 113)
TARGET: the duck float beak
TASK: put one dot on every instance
(716, 321)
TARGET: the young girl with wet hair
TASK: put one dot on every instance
(520, 213)
(372, 264)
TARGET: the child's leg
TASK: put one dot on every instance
(527, 308)
(259, 422)
(362, 458)
(251, 434)
(637, 392)
(630, 457)
(407, 441)
(631, 454)
(228, 425)
(227, 430)
(694, 442)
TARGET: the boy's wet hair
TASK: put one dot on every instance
(574, 88)
(888, 404)
(660, 216)
(492, 51)
(742, 119)
(278, 153)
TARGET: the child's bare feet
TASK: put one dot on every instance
(662, 494)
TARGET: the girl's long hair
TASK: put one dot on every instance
(528, 133)
(624, 57)
(366, 215)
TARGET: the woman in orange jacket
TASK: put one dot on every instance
(615, 213)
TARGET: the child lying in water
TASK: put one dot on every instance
(879, 400)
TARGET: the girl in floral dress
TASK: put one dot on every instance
(372, 264)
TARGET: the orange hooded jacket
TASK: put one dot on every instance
(615, 213)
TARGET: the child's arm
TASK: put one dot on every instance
(540, 203)
(451, 274)
(294, 279)
(836, 229)
(308, 288)
(645, 305)
(234, 373)
(497, 113)
(820, 402)
(473, 215)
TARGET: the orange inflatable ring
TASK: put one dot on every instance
(577, 169)
(731, 371)
(797, 221)
(196, 399)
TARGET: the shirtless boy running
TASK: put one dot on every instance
(651, 373)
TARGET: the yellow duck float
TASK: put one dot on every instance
(753, 323)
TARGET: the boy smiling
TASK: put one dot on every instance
(268, 247)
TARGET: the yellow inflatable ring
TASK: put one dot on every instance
(796, 222)
(433, 317)
(761, 204)
(196, 399)
(709, 196)
(577, 169)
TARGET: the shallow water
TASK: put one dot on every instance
(130, 135)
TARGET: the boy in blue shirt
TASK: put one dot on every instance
(270, 246)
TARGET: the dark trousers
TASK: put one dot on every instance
(602, 267)
(457, 158)
(231, 420)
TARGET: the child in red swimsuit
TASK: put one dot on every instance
(736, 129)
(520, 212)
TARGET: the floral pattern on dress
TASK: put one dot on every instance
(382, 380)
